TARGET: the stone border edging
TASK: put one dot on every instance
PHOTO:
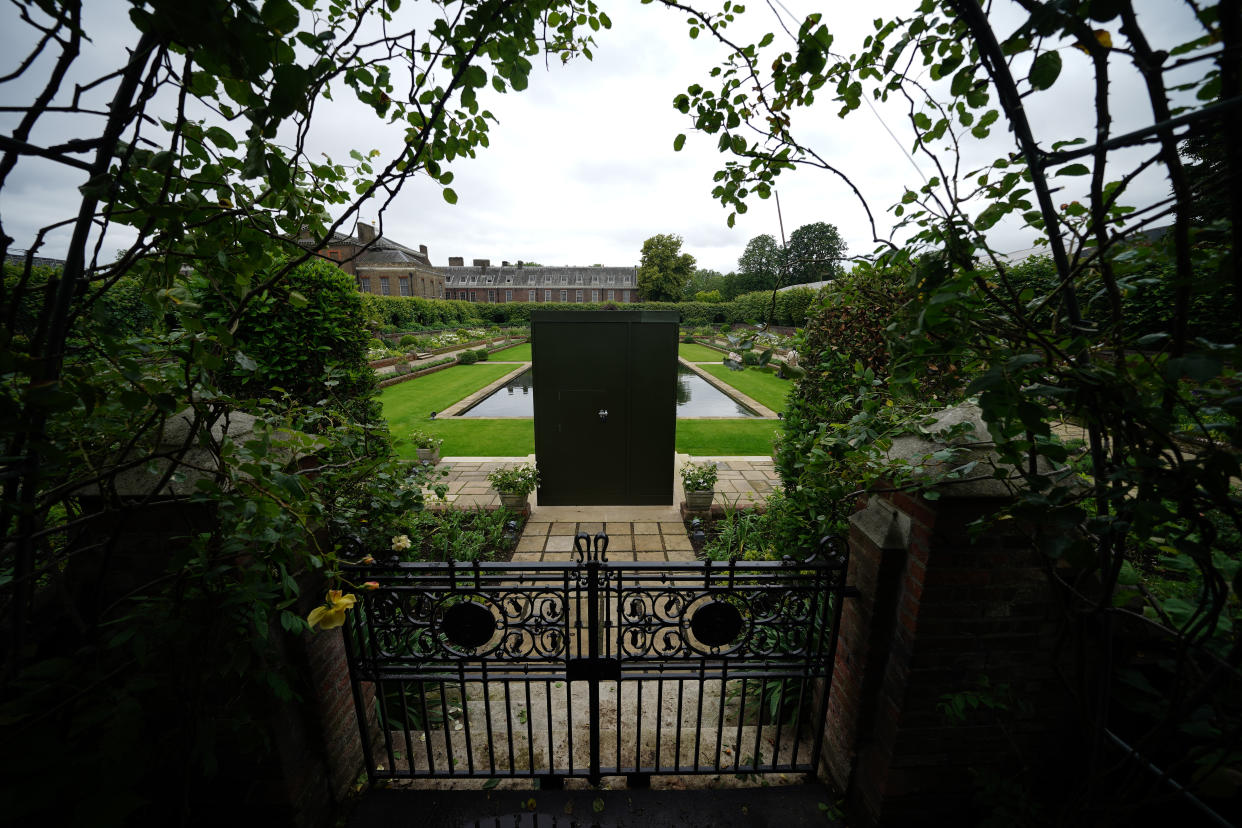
(384, 383)
(470, 399)
(461, 346)
(728, 390)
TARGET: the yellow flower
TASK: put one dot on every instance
(331, 615)
(400, 543)
(371, 585)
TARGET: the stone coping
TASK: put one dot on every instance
(463, 404)
(728, 390)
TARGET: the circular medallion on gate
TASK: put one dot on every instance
(716, 624)
(468, 625)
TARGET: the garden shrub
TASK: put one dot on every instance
(843, 408)
(481, 353)
(306, 336)
(468, 357)
(408, 340)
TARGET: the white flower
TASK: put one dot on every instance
(400, 543)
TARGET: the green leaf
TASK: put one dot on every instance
(450, 195)
(1045, 70)
(679, 142)
(1074, 169)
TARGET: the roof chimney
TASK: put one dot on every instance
(422, 248)
(482, 262)
(456, 261)
(366, 232)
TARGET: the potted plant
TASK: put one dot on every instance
(699, 481)
(428, 446)
(514, 483)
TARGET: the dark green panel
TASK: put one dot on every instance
(653, 411)
(581, 372)
(622, 362)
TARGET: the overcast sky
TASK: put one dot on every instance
(581, 167)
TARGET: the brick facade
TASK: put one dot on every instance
(482, 282)
(383, 267)
(940, 608)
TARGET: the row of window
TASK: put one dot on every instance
(564, 280)
(403, 285)
(531, 295)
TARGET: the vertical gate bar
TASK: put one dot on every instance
(385, 728)
(741, 718)
(659, 708)
(509, 723)
(422, 698)
(465, 717)
(805, 689)
(837, 599)
(530, 722)
(606, 634)
(487, 717)
(593, 652)
(569, 720)
(681, 690)
(763, 692)
(547, 697)
(698, 716)
(638, 735)
(569, 693)
(405, 726)
(797, 721)
(353, 634)
(780, 717)
(720, 705)
(448, 729)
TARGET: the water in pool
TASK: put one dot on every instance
(696, 397)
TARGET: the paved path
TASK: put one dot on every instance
(743, 481)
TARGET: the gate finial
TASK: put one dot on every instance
(585, 551)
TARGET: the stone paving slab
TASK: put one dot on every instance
(646, 530)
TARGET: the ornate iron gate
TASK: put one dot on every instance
(593, 668)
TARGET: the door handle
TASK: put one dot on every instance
(603, 415)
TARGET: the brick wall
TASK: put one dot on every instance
(939, 608)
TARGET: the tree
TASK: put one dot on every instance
(195, 153)
(704, 279)
(815, 252)
(664, 270)
(1041, 352)
(760, 267)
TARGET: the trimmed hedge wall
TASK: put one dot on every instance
(413, 312)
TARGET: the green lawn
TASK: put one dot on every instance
(408, 404)
(727, 437)
(758, 385)
(693, 352)
(479, 438)
(518, 353)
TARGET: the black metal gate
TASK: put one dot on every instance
(593, 668)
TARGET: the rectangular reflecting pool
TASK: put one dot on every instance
(696, 397)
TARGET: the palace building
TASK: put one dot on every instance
(385, 267)
(482, 282)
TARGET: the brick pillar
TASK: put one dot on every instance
(940, 608)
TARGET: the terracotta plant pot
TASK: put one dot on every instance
(700, 501)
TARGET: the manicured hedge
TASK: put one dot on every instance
(406, 313)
